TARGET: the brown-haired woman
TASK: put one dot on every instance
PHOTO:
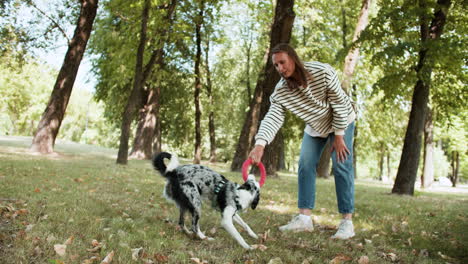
(313, 92)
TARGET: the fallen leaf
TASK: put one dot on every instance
(198, 261)
(212, 231)
(108, 258)
(260, 246)
(136, 253)
(37, 190)
(340, 258)
(69, 240)
(392, 256)
(424, 253)
(60, 249)
(90, 260)
(95, 243)
(275, 261)
(50, 238)
(78, 180)
(161, 258)
(363, 260)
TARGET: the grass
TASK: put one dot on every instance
(81, 195)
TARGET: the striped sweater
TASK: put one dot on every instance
(323, 104)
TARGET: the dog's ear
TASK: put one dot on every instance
(255, 201)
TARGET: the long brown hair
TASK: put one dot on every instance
(299, 66)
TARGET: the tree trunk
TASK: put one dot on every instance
(48, 128)
(134, 99)
(386, 179)
(408, 168)
(352, 57)
(351, 60)
(427, 177)
(142, 143)
(280, 33)
(455, 168)
(381, 161)
(198, 87)
(209, 91)
(149, 113)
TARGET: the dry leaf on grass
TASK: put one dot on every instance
(198, 261)
(260, 246)
(90, 260)
(108, 258)
(275, 261)
(363, 260)
(60, 249)
(340, 258)
(69, 240)
(136, 253)
(161, 258)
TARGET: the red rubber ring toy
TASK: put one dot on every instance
(245, 167)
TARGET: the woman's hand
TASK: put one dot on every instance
(256, 154)
(339, 146)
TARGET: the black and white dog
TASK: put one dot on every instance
(187, 184)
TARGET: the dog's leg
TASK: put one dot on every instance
(226, 222)
(195, 221)
(244, 225)
(182, 222)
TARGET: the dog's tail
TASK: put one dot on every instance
(159, 165)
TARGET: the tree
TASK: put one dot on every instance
(138, 82)
(149, 123)
(48, 128)
(407, 170)
(198, 85)
(209, 92)
(280, 33)
(427, 175)
(350, 62)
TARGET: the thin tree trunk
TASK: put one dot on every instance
(408, 168)
(198, 87)
(51, 120)
(352, 57)
(133, 100)
(427, 176)
(149, 113)
(455, 168)
(280, 33)
(351, 60)
(209, 90)
(381, 161)
(386, 179)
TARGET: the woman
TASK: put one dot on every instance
(313, 92)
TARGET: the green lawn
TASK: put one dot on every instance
(81, 195)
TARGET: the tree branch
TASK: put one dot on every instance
(51, 19)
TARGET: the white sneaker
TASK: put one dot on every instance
(345, 230)
(298, 223)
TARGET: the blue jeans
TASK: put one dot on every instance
(311, 149)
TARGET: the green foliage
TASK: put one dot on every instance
(24, 92)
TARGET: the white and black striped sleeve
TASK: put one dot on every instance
(272, 122)
(339, 102)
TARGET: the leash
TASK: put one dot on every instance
(245, 167)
